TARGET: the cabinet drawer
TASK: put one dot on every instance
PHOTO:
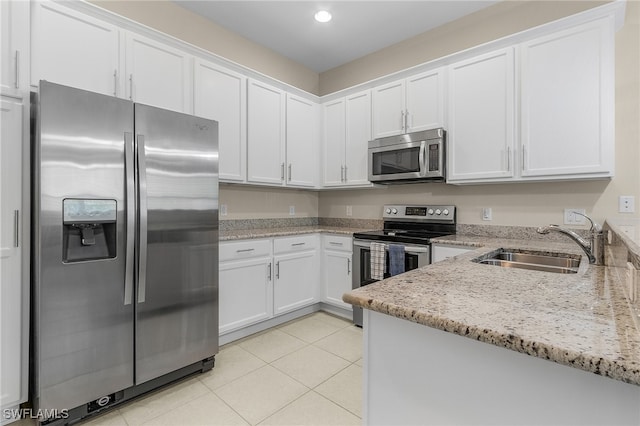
(292, 244)
(233, 250)
(335, 242)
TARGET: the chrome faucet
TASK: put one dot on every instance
(594, 249)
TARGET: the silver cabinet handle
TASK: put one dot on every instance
(406, 120)
(115, 82)
(282, 171)
(278, 270)
(335, 243)
(131, 86)
(16, 228)
(341, 173)
(508, 158)
(348, 266)
(17, 69)
(142, 221)
(244, 250)
(129, 172)
(297, 244)
(403, 121)
(269, 272)
(289, 172)
(345, 173)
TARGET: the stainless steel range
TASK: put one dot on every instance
(407, 233)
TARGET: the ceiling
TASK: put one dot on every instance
(358, 27)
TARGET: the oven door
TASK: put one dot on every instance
(416, 256)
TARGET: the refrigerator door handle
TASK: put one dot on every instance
(129, 154)
(142, 218)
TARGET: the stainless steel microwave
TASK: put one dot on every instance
(412, 157)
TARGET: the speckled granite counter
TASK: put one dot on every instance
(581, 320)
(243, 234)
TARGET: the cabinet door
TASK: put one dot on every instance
(296, 281)
(220, 95)
(568, 102)
(425, 101)
(388, 109)
(302, 142)
(481, 117)
(74, 49)
(358, 135)
(265, 138)
(157, 74)
(14, 42)
(12, 327)
(334, 142)
(245, 293)
(337, 277)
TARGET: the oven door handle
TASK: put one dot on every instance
(407, 249)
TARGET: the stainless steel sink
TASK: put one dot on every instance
(560, 263)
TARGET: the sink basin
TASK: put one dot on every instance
(560, 263)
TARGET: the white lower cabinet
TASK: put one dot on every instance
(296, 273)
(263, 278)
(336, 269)
(245, 283)
(444, 251)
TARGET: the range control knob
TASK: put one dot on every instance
(394, 211)
(388, 211)
(445, 212)
(430, 211)
(438, 212)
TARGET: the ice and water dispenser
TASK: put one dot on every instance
(89, 229)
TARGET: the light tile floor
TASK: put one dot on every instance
(305, 372)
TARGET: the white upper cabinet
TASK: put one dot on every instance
(567, 103)
(221, 95)
(266, 134)
(409, 105)
(302, 129)
(347, 132)
(358, 135)
(481, 117)
(74, 49)
(157, 74)
(334, 126)
(14, 42)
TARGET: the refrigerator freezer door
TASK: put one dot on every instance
(176, 311)
(83, 330)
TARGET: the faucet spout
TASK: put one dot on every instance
(584, 245)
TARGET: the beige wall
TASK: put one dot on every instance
(257, 202)
(181, 23)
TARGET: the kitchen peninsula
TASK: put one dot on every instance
(435, 341)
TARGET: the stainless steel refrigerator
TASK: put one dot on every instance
(125, 261)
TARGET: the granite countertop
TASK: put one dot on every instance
(581, 320)
(243, 234)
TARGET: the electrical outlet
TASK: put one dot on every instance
(223, 209)
(627, 204)
(292, 210)
(349, 210)
(486, 213)
(570, 218)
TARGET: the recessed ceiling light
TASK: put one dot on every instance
(322, 16)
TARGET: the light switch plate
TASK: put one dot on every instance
(486, 213)
(292, 210)
(627, 204)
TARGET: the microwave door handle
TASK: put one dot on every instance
(421, 159)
